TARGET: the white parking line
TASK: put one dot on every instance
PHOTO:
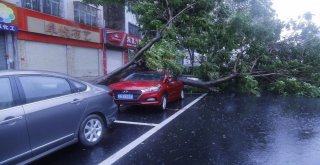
(116, 156)
(135, 123)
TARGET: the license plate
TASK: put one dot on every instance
(125, 96)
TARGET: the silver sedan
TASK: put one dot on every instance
(41, 112)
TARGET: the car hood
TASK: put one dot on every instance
(133, 85)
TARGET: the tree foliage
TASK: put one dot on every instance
(235, 39)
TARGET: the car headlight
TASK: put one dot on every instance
(152, 89)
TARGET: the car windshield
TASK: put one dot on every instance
(145, 77)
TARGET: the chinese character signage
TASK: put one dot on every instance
(59, 30)
(7, 17)
(118, 38)
(132, 41)
(7, 27)
(115, 38)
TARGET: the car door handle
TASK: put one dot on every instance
(10, 120)
(76, 101)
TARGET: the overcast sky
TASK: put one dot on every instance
(287, 9)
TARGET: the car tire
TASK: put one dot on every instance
(164, 101)
(182, 95)
(91, 130)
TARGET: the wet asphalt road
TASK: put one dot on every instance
(117, 137)
(216, 130)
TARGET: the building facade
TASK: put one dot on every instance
(59, 35)
(121, 33)
(8, 34)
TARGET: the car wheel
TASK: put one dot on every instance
(182, 95)
(164, 102)
(91, 130)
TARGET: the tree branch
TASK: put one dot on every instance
(180, 13)
(170, 14)
(267, 74)
(254, 64)
(116, 73)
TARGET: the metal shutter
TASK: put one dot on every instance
(3, 61)
(114, 60)
(45, 56)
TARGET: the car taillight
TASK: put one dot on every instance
(111, 93)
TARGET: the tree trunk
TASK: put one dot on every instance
(209, 84)
(125, 69)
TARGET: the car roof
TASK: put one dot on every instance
(32, 72)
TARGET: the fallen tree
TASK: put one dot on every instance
(235, 40)
(136, 63)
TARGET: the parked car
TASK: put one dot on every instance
(147, 88)
(41, 112)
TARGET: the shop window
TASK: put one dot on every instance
(134, 30)
(131, 53)
(85, 14)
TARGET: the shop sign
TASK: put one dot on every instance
(7, 18)
(115, 38)
(7, 27)
(132, 41)
(59, 30)
(121, 39)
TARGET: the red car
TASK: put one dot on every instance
(147, 88)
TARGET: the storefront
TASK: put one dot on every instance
(8, 29)
(3, 59)
(50, 43)
(118, 46)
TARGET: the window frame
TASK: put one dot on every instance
(45, 6)
(85, 11)
(32, 7)
(134, 30)
(23, 95)
(14, 90)
(49, 9)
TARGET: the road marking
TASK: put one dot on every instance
(116, 156)
(135, 123)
